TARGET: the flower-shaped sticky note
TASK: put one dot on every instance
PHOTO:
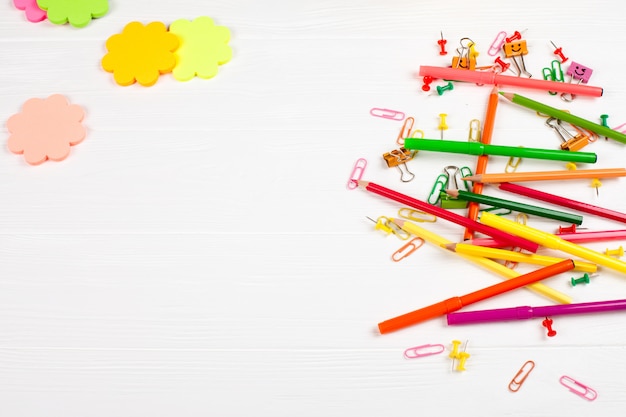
(32, 11)
(203, 46)
(77, 12)
(45, 129)
(140, 53)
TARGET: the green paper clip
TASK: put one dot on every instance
(451, 178)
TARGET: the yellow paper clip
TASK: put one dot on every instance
(512, 165)
(407, 249)
(474, 131)
(521, 375)
(416, 215)
(397, 230)
(405, 131)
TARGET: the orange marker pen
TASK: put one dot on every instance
(455, 303)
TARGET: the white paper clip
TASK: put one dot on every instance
(387, 113)
(577, 388)
(423, 350)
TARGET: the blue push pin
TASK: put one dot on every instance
(445, 88)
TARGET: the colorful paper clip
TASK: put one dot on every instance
(496, 45)
(398, 158)
(407, 249)
(578, 388)
(416, 215)
(521, 375)
(512, 164)
(423, 350)
(554, 73)
(357, 173)
(387, 113)
(405, 131)
(474, 131)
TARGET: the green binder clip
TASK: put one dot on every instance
(451, 178)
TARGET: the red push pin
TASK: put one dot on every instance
(505, 66)
(516, 36)
(547, 323)
(427, 80)
(559, 51)
(442, 45)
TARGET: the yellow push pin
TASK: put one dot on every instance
(619, 252)
(596, 184)
(570, 166)
(380, 225)
(463, 358)
(442, 123)
(455, 349)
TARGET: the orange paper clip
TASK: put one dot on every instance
(577, 388)
(410, 247)
(406, 130)
(520, 376)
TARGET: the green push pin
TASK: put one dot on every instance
(582, 280)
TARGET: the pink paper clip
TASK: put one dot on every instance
(423, 350)
(357, 173)
(387, 114)
(410, 247)
(496, 46)
(577, 388)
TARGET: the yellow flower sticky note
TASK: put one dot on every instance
(140, 53)
(203, 47)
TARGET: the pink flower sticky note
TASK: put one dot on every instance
(32, 11)
(140, 53)
(203, 46)
(45, 129)
(77, 12)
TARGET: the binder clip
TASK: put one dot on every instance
(466, 58)
(570, 141)
(398, 158)
(516, 51)
(450, 179)
(577, 72)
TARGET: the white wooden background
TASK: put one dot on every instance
(199, 253)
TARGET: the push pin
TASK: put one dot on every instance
(442, 123)
(442, 45)
(441, 90)
(463, 356)
(570, 166)
(516, 35)
(604, 123)
(380, 225)
(427, 80)
(399, 158)
(472, 50)
(559, 52)
(503, 65)
(566, 229)
(595, 183)
(619, 252)
(582, 280)
(547, 323)
(455, 349)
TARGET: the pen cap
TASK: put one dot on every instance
(484, 316)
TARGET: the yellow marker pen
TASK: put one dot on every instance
(551, 241)
(493, 266)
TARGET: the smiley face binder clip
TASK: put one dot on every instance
(515, 50)
(466, 58)
(450, 179)
(577, 73)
